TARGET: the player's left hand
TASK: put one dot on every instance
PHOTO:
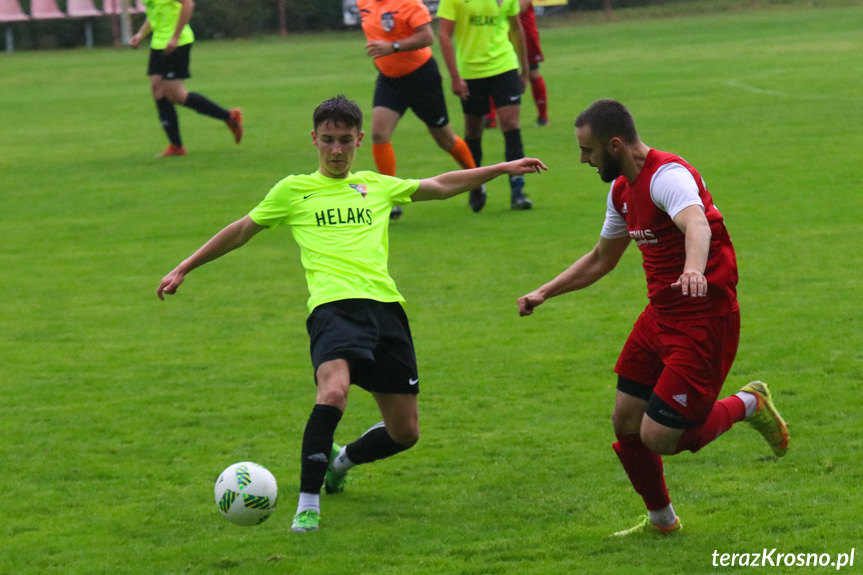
(525, 166)
(691, 283)
(170, 283)
(172, 46)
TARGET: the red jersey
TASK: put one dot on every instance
(391, 21)
(663, 249)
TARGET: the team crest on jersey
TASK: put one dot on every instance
(361, 188)
(625, 210)
(388, 21)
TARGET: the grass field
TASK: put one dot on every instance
(118, 411)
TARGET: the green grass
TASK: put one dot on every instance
(117, 411)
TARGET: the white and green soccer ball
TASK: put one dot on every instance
(246, 493)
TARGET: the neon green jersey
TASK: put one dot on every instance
(163, 16)
(482, 46)
(342, 228)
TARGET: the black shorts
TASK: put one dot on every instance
(173, 66)
(657, 409)
(374, 337)
(504, 89)
(421, 91)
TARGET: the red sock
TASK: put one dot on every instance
(644, 469)
(491, 114)
(724, 414)
(385, 158)
(540, 96)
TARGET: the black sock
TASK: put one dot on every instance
(168, 119)
(207, 107)
(375, 444)
(475, 146)
(317, 446)
(513, 148)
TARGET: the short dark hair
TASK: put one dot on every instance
(608, 119)
(340, 111)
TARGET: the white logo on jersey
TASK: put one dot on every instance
(643, 237)
(624, 210)
(680, 398)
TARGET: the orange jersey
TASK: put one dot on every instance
(391, 21)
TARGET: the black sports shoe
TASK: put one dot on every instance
(477, 199)
(517, 199)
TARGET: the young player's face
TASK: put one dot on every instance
(337, 147)
(597, 155)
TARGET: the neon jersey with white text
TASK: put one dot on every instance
(342, 228)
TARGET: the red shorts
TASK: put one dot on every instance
(685, 361)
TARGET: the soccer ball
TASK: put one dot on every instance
(246, 493)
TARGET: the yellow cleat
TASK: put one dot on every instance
(646, 526)
(766, 419)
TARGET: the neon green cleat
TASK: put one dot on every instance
(308, 520)
(646, 526)
(766, 419)
(335, 482)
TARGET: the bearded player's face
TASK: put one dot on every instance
(594, 153)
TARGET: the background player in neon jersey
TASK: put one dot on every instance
(484, 63)
(358, 330)
(398, 35)
(681, 348)
(170, 51)
(530, 32)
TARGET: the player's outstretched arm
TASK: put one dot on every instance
(230, 238)
(451, 184)
(588, 269)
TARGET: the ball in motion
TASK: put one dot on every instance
(246, 493)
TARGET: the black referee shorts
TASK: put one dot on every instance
(173, 66)
(375, 339)
(421, 91)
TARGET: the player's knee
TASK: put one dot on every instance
(625, 423)
(659, 443)
(380, 138)
(333, 396)
(407, 437)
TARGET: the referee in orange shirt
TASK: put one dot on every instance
(399, 36)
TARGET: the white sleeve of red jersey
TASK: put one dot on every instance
(673, 188)
(614, 225)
